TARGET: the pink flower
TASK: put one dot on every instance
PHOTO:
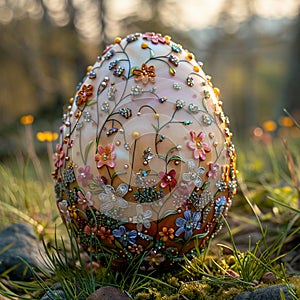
(106, 156)
(85, 200)
(213, 170)
(167, 179)
(59, 156)
(155, 38)
(199, 147)
(84, 175)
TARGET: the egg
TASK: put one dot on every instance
(145, 166)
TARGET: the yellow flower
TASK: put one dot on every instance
(269, 125)
(286, 122)
(27, 120)
(46, 136)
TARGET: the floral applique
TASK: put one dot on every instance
(142, 218)
(194, 175)
(113, 198)
(84, 94)
(167, 179)
(84, 175)
(155, 38)
(59, 156)
(188, 224)
(85, 200)
(125, 237)
(145, 74)
(106, 156)
(198, 146)
(213, 170)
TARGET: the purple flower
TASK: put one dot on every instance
(188, 223)
(124, 236)
(84, 175)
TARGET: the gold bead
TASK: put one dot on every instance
(118, 40)
(89, 68)
(216, 91)
(190, 56)
(168, 39)
(196, 68)
(135, 134)
(144, 45)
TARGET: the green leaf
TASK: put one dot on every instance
(200, 235)
(161, 156)
(89, 103)
(155, 128)
(118, 244)
(87, 150)
(205, 185)
(175, 157)
(168, 213)
(117, 174)
(131, 70)
(152, 54)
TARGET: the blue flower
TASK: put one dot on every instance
(124, 236)
(219, 208)
(188, 223)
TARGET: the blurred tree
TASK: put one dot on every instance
(153, 21)
(290, 97)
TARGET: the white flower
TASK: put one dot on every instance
(113, 198)
(194, 175)
(142, 218)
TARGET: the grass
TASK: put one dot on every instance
(268, 199)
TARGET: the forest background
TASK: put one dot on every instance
(251, 49)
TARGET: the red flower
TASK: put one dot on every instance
(106, 156)
(155, 38)
(84, 94)
(199, 147)
(167, 179)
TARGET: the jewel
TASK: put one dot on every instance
(193, 108)
(162, 100)
(125, 112)
(111, 131)
(174, 60)
(190, 81)
(206, 120)
(179, 104)
(92, 75)
(176, 86)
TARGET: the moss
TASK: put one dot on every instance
(295, 281)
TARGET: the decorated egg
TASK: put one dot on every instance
(145, 166)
